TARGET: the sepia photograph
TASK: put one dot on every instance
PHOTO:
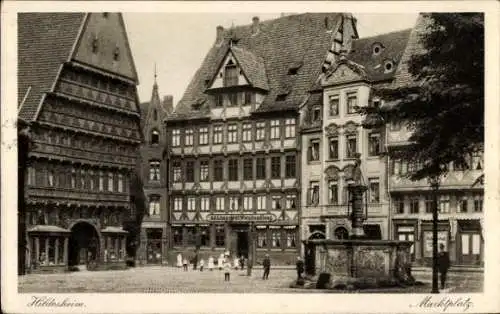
(308, 152)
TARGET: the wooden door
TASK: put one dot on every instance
(470, 248)
(408, 237)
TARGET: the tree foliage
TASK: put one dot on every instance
(443, 104)
(138, 204)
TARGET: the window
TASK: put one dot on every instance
(31, 176)
(189, 171)
(110, 182)
(248, 99)
(291, 201)
(189, 137)
(275, 167)
(176, 137)
(219, 100)
(261, 202)
(351, 144)
(275, 129)
(120, 182)
(178, 204)
(247, 203)
(247, 169)
(374, 144)
(204, 234)
(92, 181)
(444, 204)
(247, 132)
(218, 134)
(314, 193)
(204, 170)
(290, 166)
(313, 150)
(276, 238)
(395, 126)
(316, 114)
(374, 190)
(333, 152)
(233, 99)
(219, 203)
(289, 128)
(218, 170)
(477, 160)
(155, 137)
(260, 128)
(234, 203)
(463, 204)
(155, 115)
(50, 178)
(220, 236)
(333, 192)
(261, 168)
(232, 133)
(276, 202)
(191, 204)
(429, 204)
(233, 170)
(177, 233)
(101, 180)
(230, 75)
(414, 205)
(203, 136)
(204, 203)
(154, 171)
(291, 240)
(190, 236)
(262, 238)
(478, 203)
(334, 105)
(176, 165)
(399, 205)
(352, 102)
(83, 179)
(154, 206)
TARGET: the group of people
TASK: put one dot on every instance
(222, 260)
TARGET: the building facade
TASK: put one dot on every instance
(333, 134)
(460, 205)
(77, 95)
(235, 150)
(153, 239)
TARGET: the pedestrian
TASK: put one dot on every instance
(179, 260)
(267, 267)
(210, 263)
(202, 263)
(300, 267)
(242, 262)
(220, 261)
(185, 264)
(443, 264)
(227, 269)
(195, 261)
(236, 262)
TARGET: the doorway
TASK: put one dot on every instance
(242, 244)
(83, 244)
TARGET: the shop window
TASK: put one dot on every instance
(260, 129)
(247, 169)
(290, 168)
(176, 137)
(204, 170)
(262, 238)
(352, 102)
(291, 201)
(155, 137)
(334, 105)
(291, 238)
(177, 235)
(154, 170)
(314, 193)
(374, 144)
(190, 236)
(154, 206)
(313, 150)
(218, 170)
(203, 136)
(218, 132)
(247, 132)
(275, 129)
(261, 168)
(276, 238)
(204, 234)
(289, 128)
(374, 190)
(333, 192)
(188, 139)
(220, 236)
(190, 171)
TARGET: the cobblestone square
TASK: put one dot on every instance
(158, 279)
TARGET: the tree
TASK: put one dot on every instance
(138, 204)
(440, 99)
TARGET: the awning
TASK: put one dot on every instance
(48, 228)
(260, 227)
(111, 229)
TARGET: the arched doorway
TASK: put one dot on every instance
(341, 233)
(317, 235)
(83, 244)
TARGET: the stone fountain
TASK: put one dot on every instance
(357, 259)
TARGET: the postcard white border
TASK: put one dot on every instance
(12, 302)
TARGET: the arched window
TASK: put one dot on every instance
(155, 137)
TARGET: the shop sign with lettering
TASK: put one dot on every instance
(241, 217)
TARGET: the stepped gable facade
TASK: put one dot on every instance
(77, 95)
(234, 149)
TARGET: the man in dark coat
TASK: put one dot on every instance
(266, 263)
(443, 264)
(300, 267)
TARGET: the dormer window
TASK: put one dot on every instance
(95, 44)
(316, 114)
(376, 49)
(376, 103)
(281, 97)
(388, 66)
(230, 75)
(219, 100)
(155, 137)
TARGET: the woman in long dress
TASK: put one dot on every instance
(179, 260)
(210, 263)
(236, 262)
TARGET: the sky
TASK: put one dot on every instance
(178, 42)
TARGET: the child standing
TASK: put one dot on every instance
(202, 263)
(227, 269)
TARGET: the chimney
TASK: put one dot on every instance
(219, 36)
(168, 103)
(255, 25)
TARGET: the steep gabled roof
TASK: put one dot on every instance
(45, 41)
(252, 66)
(392, 47)
(280, 42)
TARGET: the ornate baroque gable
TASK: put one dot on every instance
(345, 72)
